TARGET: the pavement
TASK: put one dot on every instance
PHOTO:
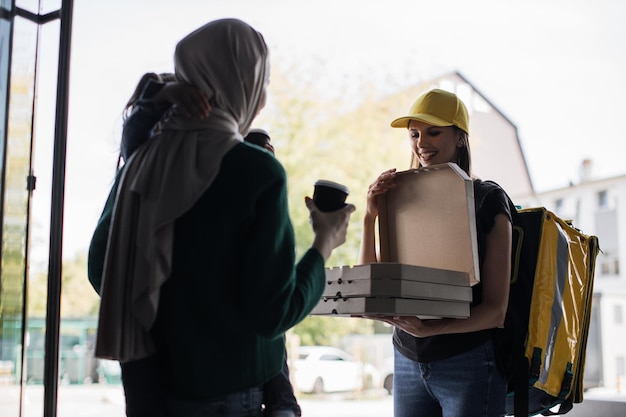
(103, 400)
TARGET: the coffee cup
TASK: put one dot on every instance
(329, 195)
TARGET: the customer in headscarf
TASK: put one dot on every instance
(199, 283)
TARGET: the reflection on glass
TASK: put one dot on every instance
(5, 36)
(16, 165)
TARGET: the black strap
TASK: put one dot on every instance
(564, 407)
(520, 381)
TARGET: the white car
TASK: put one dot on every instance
(320, 369)
(387, 374)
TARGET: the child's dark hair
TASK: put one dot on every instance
(141, 85)
(149, 76)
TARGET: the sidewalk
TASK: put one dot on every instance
(101, 400)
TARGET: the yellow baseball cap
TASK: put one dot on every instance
(438, 108)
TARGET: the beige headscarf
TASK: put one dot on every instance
(228, 60)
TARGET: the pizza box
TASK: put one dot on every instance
(379, 306)
(428, 220)
(397, 280)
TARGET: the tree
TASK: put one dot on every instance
(78, 298)
(345, 138)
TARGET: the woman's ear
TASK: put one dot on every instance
(461, 141)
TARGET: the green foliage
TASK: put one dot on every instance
(317, 137)
(320, 138)
(344, 138)
(328, 331)
(78, 298)
(37, 295)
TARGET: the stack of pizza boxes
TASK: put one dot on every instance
(428, 249)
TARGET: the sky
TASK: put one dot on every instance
(555, 68)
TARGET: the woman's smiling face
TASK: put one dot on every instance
(434, 145)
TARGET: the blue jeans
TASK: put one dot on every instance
(278, 394)
(465, 385)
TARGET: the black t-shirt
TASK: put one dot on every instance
(489, 200)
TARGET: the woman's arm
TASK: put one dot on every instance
(367, 251)
(495, 278)
(275, 296)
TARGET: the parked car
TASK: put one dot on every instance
(111, 371)
(320, 369)
(387, 374)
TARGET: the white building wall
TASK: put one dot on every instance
(620, 192)
(614, 339)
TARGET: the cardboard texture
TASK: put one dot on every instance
(395, 270)
(429, 220)
(397, 280)
(425, 309)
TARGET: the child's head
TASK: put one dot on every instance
(438, 125)
(259, 137)
(141, 85)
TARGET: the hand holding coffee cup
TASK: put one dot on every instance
(330, 227)
(329, 195)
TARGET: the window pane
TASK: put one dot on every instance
(16, 141)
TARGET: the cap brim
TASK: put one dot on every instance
(426, 118)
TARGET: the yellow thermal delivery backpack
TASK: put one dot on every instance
(545, 334)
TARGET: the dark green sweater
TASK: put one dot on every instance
(234, 289)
